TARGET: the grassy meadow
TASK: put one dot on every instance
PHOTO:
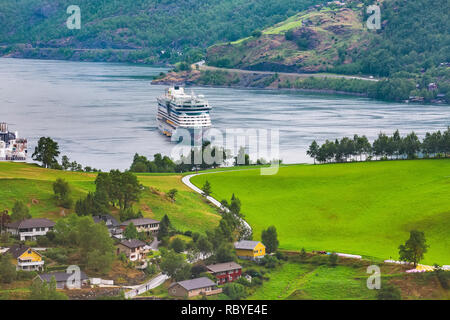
(363, 208)
(33, 185)
(294, 281)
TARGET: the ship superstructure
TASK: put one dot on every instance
(12, 148)
(176, 109)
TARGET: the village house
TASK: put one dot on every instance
(134, 250)
(194, 287)
(251, 250)
(26, 259)
(149, 226)
(64, 279)
(30, 229)
(110, 222)
(225, 272)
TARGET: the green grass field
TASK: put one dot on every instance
(33, 185)
(295, 281)
(360, 208)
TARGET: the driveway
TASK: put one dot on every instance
(151, 284)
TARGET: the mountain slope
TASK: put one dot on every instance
(167, 30)
(310, 41)
(415, 37)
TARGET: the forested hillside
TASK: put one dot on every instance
(412, 48)
(414, 37)
(150, 31)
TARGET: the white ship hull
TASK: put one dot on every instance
(178, 111)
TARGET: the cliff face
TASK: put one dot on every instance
(311, 41)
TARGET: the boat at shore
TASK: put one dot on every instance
(12, 148)
(176, 110)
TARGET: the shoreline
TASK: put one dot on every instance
(324, 91)
(182, 80)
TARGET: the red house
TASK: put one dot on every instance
(225, 272)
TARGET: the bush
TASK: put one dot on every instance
(253, 273)
(43, 241)
(151, 269)
(256, 282)
(57, 255)
(235, 291)
(257, 33)
(188, 233)
(177, 245)
(270, 262)
(26, 275)
(243, 281)
(389, 292)
(333, 259)
(281, 256)
(319, 260)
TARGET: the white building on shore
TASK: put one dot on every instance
(12, 148)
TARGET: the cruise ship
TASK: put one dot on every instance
(12, 148)
(176, 109)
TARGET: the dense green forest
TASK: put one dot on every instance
(149, 31)
(411, 50)
(415, 37)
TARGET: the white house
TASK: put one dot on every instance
(29, 229)
(149, 226)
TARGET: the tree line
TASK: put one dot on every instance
(434, 145)
(47, 152)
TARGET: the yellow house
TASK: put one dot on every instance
(251, 250)
(26, 258)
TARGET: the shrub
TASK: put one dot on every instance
(257, 33)
(389, 292)
(270, 262)
(235, 291)
(177, 245)
(333, 259)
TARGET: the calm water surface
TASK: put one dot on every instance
(102, 114)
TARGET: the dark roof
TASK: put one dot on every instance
(60, 276)
(245, 244)
(18, 249)
(31, 223)
(221, 267)
(133, 243)
(105, 218)
(197, 283)
(139, 221)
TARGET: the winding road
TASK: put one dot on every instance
(187, 182)
(151, 284)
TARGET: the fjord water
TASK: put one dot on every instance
(102, 114)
